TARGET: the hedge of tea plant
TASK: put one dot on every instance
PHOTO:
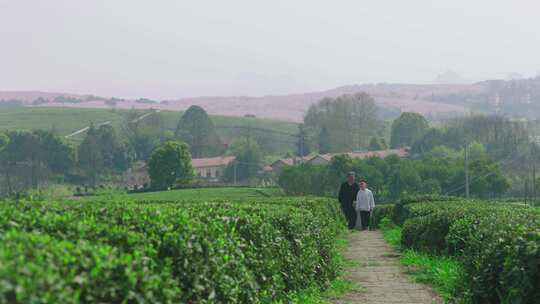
(166, 252)
(498, 244)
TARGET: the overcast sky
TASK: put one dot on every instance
(177, 48)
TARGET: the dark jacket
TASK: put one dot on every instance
(347, 193)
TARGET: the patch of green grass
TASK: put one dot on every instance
(63, 120)
(207, 194)
(391, 233)
(443, 273)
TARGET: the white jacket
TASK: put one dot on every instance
(364, 200)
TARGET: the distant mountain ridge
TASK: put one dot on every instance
(292, 107)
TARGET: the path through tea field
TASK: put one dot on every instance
(379, 275)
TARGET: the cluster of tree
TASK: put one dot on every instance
(247, 163)
(392, 177)
(29, 158)
(517, 97)
(11, 103)
(144, 132)
(506, 141)
(102, 153)
(406, 129)
(501, 136)
(197, 130)
(345, 123)
(169, 165)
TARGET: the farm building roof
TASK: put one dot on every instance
(219, 161)
(403, 152)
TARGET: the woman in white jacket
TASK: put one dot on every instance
(364, 205)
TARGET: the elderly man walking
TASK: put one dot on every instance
(347, 195)
(364, 205)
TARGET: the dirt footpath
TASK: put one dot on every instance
(379, 275)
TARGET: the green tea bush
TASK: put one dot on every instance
(166, 252)
(498, 244)
(381, 212)
(37, 268)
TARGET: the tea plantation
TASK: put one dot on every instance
(498, 244)
(125, 251)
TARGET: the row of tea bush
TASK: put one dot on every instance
(166, 252)
(498, 243)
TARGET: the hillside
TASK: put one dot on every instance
(65, 121)
(392, 99)
(519, 98)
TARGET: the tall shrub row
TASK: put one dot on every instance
(498, 244)
(167, 252)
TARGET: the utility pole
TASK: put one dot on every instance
(235, 166)
(467, 194)
(534, 183)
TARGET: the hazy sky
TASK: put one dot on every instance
(166, 49)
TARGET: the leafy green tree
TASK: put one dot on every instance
(4, 141)
(303, 147)
(144, 134)
(123, 157)
(57, 155)
(350, 121)
(324, 141)
(108, 143)
(405, 180)
(248, 160)
(430, 186)
(197, 130)
(376, 144)
(340, 165)
(432, 138)
(407, 128)
(90, 157)
(117, 156)
(170, 164)
(29, 158)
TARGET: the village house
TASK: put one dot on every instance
(319, 159)
(277, 166)
(211, 169)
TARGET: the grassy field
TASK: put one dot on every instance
(65, 121)
(206, 194)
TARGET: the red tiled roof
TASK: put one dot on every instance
(219, 161)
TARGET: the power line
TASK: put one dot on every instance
(479, 177)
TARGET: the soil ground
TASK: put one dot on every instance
(378, 274)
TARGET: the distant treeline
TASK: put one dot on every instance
(392, 177)
(503, 159)
(517, 97)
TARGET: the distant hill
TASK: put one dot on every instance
(428, 99)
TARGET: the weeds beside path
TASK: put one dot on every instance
(380, 275)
